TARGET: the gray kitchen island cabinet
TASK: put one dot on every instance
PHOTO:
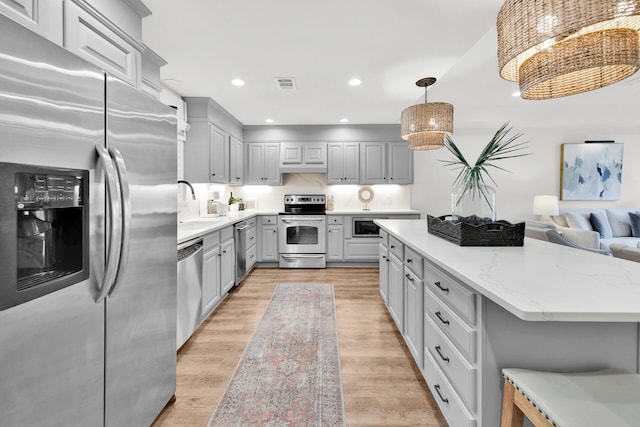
(540, 306)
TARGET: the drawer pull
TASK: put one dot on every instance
(444, 399)
(409, 260)
(380, 237)
(442, 356)
(440, 287)
(393, 246)
(439, 316)
(408, 276)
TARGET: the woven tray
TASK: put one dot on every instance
(499, 233)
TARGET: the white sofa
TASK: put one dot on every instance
(575, 224)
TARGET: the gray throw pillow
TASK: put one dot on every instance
(600, 223)
(578, 220)
(635, 223)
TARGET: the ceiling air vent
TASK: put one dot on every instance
(286, 83)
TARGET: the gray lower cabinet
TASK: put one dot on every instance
(211, 291)
(335, 242)
(228, 264)
(268, 238)
(218, 268)
(384, 273)
(252, 243)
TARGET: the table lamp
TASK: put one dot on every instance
(545, 206)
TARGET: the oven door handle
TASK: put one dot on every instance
(293, 221)
(114, 223)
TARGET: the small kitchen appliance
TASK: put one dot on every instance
(302, 229)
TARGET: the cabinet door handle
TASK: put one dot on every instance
(443, 320)
(387, 260)
(238, 178)
(444, 399)
(409, 260)
(440, 287)
(442, 356)
(224, 252)
(408, 276)
(384, 257)
(213, 174)
(380, 237)
(393, 246)
(275, 231)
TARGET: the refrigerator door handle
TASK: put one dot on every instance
(114, 223)
(125, 217)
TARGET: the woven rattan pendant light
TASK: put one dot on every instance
(556, 48)
(425, 125)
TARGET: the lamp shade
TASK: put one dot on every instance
(425, 125)
(545, 205)
(556, 48)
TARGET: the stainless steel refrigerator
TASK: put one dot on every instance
(87, 242)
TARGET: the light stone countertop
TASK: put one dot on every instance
(376, 212)
(540, 281)
(197, 227)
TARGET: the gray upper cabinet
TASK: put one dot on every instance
(94, 41)
(206, 154)
(212, 153)
(263, 163)
(303, 157)
(343, 162)
(400, 163)
(385, 163)
(107, 33)
(218, 155)
(42, 17)
(373, 156)
(236, 161)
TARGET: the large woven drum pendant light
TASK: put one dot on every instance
(556, 48)
(425, 125)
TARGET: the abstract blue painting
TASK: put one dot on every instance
(591, 171)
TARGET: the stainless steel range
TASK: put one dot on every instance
(302, 230)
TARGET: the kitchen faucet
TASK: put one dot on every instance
(193, 193)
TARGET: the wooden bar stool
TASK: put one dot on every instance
(607, 398)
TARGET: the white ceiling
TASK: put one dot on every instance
(388, 44)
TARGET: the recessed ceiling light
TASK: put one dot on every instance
(517, 93)
(237, 82)
(355, 82)
(344, 120)
(269, 121)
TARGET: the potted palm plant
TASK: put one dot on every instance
(473, 200)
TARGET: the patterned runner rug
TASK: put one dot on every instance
(289, 374)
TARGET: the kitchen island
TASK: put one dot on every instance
(468, 312)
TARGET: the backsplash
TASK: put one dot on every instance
(270, 198)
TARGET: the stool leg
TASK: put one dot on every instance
(512, 416)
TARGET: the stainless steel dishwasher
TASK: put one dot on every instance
(189, 284)
(241, 229)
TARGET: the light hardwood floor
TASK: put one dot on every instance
(382, 385)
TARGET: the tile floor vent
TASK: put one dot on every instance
(286, 83)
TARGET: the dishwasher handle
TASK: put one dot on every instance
(189, 251)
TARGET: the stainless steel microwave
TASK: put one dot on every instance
(364, 227)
